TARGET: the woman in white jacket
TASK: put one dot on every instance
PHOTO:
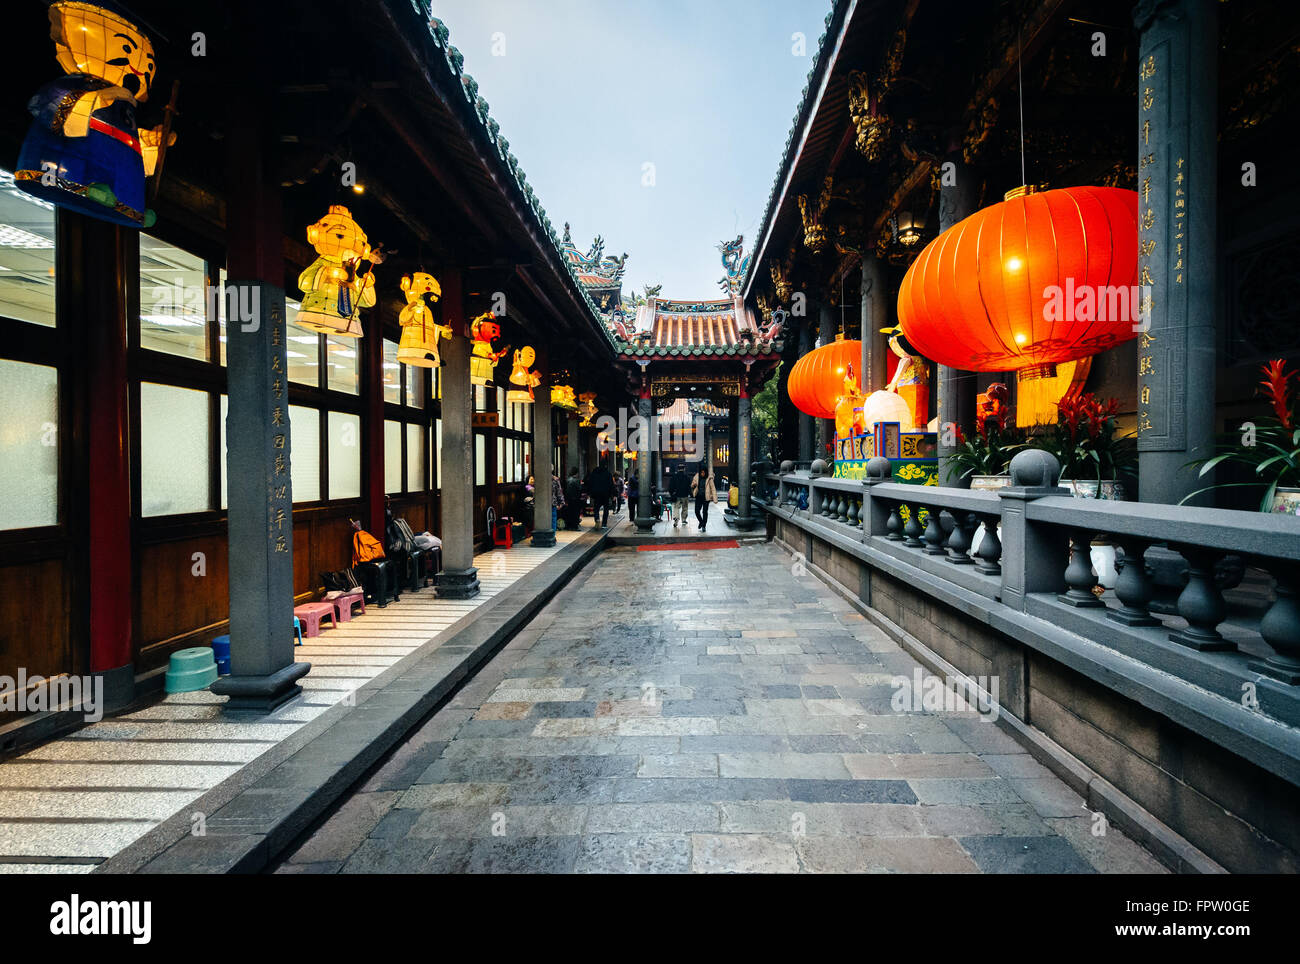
(705, 492)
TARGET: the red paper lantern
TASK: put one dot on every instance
(1038, 279)
(817, 379)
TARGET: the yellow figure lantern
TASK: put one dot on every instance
(848, 411)
(84, 151)
(334, 287)
(420, 330)
(523, 375)
(587, 407)
(911, 379)
(483, 360)
(562, 397)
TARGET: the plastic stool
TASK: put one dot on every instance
(297, 628)
(221, 653)
(190, 669)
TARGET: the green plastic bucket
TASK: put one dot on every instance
(190, 669)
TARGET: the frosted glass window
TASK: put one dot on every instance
(345, 455)
(392, 456)
(173, 300)
(26, 255)
(480, 459)
(501, 459)
(342, 358)
(415, 460)
(304, 455)
(392, 374)
(221, 448)
(415, 386)
(437, 452)
(174, 459)
(29, 445)
(302, 351)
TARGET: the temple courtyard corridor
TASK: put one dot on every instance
(705, 710)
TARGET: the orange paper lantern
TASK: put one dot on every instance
(1038, 279)
(817, 379)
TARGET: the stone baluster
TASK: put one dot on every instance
(934, 540)
(990, 550)
(1201, 603)
(1280, 626)
(912, 530)
(1079, 575)
(960, 538)
(895, 524)
(852, 518)
(1133, 588)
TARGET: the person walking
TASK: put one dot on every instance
(705, 492)
(557, 499)
(573, 501)
(600, 486)
(679, 487)
(633, 495)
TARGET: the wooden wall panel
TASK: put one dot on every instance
(180, 594)
(35, 630)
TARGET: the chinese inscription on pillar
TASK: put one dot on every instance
(1163, 205)
(279, 496)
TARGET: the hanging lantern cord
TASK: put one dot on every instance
(1020, 86)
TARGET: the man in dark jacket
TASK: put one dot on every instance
(573, 501)
(600, 486)
(679, 488)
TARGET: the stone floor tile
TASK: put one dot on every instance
(743, 854)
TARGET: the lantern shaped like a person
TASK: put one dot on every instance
(911, 378)
(83, 151)
(334, 287)
(587, 408)
(483, 360)
(562, 397)
(848, 411)
(420, 330)
(523, 375)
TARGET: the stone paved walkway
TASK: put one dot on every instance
(706, 710)
(71, 803)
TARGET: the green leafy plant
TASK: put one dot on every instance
(1270, 448)
(989, 450)
(1086, 439)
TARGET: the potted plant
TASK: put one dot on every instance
(1096, 460)
(1269, 447)
(983, 458)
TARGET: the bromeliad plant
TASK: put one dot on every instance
(989, 450)
(1270, 448)
(1086, 439)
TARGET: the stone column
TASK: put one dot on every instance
(875, 315)
(825, 336)
(543, 530)
(806, 440)
(956, 387)
(1177, 225)
(744, 454)
(644, 470)
(573, 448)
(459, 577)
(258, 444)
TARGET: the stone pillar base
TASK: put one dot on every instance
(119, 687)
(261, 694)
(457, 584)
(543, 538)
(745, 522)
(645, 523)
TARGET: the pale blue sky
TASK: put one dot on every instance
(588, 91)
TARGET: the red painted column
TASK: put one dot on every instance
(372, 418)
(102, 251)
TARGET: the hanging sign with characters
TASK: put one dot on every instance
(84, 151)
